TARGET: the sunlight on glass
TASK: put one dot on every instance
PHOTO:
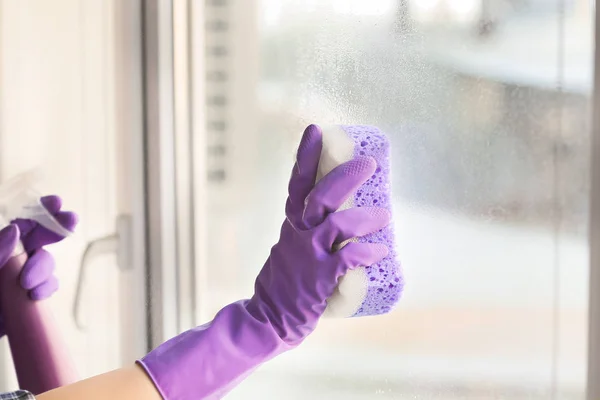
(362, 7)
(425, 5)
(464, 9)
(271, 14)
(424, 10)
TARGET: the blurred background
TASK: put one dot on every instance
(171, 127)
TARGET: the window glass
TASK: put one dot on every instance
(486, 103)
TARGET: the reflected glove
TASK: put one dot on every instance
(291, 290)
(37, 276)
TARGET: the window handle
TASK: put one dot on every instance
(118, 243)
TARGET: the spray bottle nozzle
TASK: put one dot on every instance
(19, 199)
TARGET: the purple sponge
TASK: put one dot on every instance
(375, 289)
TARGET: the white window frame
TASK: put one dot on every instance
(173, 133)
(593, 378)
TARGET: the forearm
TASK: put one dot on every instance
(40, 355)
(129, 383)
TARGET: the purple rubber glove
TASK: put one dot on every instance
(291, 290)
(37, 276)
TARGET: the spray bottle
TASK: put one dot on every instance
(39, 354)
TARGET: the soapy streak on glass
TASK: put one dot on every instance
(489, 123)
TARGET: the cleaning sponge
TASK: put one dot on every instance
(374, 289)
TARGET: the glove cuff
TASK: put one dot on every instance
(208, 361)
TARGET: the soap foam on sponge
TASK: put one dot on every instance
(375, 289)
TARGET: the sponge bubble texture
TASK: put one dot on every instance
(375, 289)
